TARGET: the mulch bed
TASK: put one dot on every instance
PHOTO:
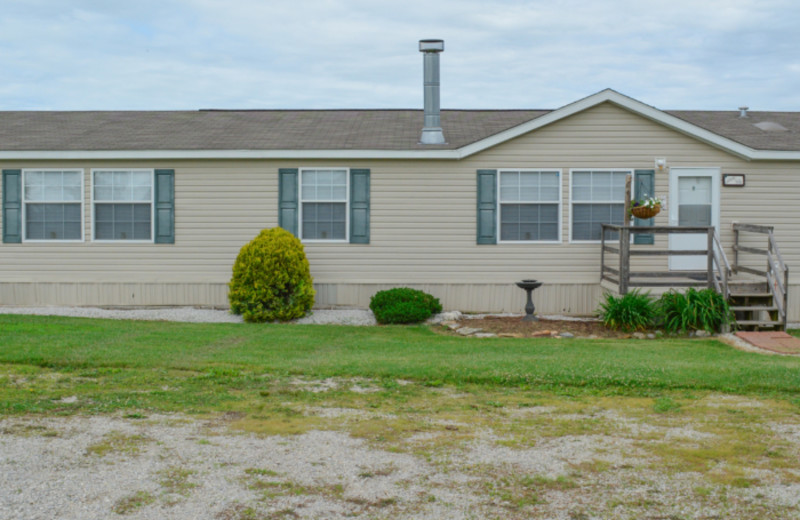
(515, 327)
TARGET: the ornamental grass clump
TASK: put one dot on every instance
(271, 279)
(634, 311)
(695, 310)
(403, 305)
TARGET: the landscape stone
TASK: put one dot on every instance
(485, 335)
(702, 334)
(567, 335)
(651, 336)
(447, 316)
(639, 335)
(510, 335)
(466, 331)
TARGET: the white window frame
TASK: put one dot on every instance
(25, 206)
(558, 171)
(628, 171)
(300, 203)
(152, 173)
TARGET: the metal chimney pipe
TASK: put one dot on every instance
(432, 128)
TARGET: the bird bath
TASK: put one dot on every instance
(529, 286)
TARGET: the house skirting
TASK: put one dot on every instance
(575, 299)
(566, 299)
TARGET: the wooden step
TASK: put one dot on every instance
(759, 323)
(751, 308)
(751, 295)
(748, 286)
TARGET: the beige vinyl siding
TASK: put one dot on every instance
(422, 225)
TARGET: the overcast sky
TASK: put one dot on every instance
(190, 54)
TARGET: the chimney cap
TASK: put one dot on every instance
(743, 111)
(431, 45)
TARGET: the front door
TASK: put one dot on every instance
(694, 201)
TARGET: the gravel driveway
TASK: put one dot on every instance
(177, 467)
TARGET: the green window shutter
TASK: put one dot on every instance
(359, 206)
(288, 194)
(165, 207)
(12, 206)
(487, 206)
(645, 187)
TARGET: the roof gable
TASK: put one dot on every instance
(679, 124)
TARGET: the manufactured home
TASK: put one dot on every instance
(116, 208)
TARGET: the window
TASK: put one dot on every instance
(529, 205)
(323, 204)
(53, 204)
(123, 204)
(598, 197)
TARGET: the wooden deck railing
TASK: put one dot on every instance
(715, 275)
(776, 273)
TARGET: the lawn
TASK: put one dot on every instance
(123, 364)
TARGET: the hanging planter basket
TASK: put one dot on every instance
(645, 211)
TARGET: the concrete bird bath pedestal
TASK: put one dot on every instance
(529, 286)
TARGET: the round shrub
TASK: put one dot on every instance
(403, 305)
(271, 279)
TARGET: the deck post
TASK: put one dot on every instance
(624, 259)
(602, 252)
(735, 248)
(770, 254)
(710, 257)
(785, 297)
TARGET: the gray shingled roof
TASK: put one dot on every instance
(744, 130)
(248, 129)
(318, 129)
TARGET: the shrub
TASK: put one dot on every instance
(403, 305)
(633, 311)
(694, 310)
(271, 279)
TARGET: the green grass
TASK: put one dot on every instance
(110, 365)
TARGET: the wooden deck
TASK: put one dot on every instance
(757, 295)
(621, 274)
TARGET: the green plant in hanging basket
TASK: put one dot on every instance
(646, 208)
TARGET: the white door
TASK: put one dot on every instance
(693, 201)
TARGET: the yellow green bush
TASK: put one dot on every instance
(271, 279)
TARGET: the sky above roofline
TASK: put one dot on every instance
(238, 54)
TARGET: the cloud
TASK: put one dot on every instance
(187, 54)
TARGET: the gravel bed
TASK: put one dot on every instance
(190, 314)
(203, 315)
